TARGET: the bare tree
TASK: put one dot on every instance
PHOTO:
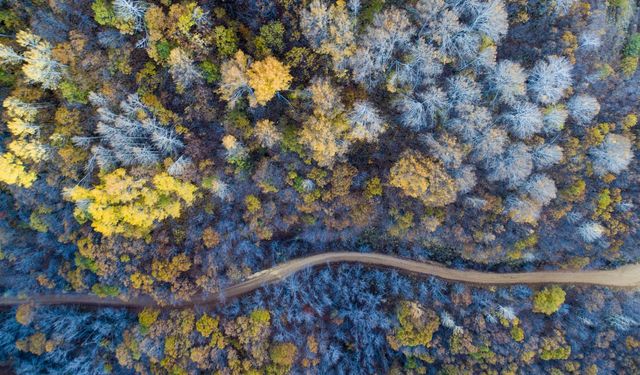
(126, 139)
(462, 90)
(507, 81)
(513, 167)
(583, 108)
(489, 18)
(469, 121)
(523, 210)
(490, 144)
(550, 79)
(314, 22)
(612, 156)
(541, 188)
(183, 70)
(366, 122)
(465, 178)
(547, 155)
(591, 231)
(524, 120)
(420, 111)
(554, 118)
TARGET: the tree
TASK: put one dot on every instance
(267, 133)
(423, 178)
(183, 70)
(554, 118)
(513, 167)
(271, 38)
(13, 171)
(548, 300)
(325, 132)
(206, 325)
(283, 354)
(550, 79)
(541, 188)
(323, 138)
(591, 231)
(507, 81)
(547, 155)
(130, 207)
(366, 122)
(226, 40)
(612, 156)
(583, 108)
(267, 77)
(38, 64)
(416, 326)
(234, 83)
(524, 120)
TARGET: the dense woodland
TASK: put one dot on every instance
(171, 148)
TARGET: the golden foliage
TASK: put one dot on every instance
(13, 172)
(123, 205)
(267, 77)
(424, 178)
(168, 271)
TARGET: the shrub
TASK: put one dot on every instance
(632, 48)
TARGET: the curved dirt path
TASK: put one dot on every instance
(624, 277)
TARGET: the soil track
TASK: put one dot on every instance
(624, 277)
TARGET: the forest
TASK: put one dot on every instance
(167, 150)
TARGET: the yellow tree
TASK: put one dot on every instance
(13, 172)
(325, 132)
(267, 77)
(130, 207)
(424, 178)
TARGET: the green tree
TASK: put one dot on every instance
(226, 40)
(271, 38)
(548, 300)
(417, 326)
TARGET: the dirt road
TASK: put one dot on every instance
(624, 277)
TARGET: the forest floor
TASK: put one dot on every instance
(627, 276)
